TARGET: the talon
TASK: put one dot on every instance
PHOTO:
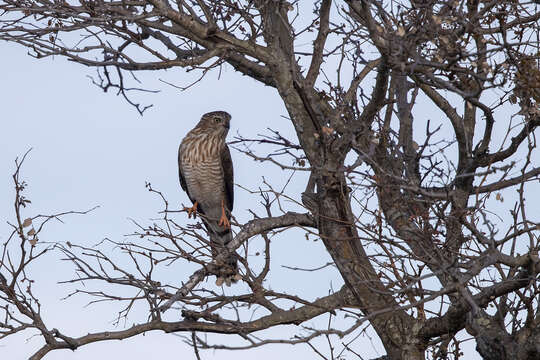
(192, 210)
(223, 221)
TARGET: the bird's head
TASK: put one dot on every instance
(218, 121)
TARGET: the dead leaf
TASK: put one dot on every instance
(27, 222)
(327, 130)
(289, 6)
(32, 232)
(33, 241)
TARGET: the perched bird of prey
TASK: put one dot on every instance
(206, 175)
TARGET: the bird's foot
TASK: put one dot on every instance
(223, 221)
(192, 210)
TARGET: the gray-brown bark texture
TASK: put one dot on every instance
(395, 106)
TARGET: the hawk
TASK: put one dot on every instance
(206, 175)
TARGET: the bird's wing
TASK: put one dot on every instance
(228, 176)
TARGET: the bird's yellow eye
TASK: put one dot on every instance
(217, 120)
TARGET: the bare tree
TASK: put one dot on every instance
(407, 207)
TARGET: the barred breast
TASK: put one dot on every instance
(203, 172)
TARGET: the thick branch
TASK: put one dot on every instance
(252, 228)
(296, 316)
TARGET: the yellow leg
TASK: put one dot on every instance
(192, 210)
(223, 221)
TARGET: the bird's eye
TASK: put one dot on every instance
(217, 120)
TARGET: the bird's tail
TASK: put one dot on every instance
(219, 238)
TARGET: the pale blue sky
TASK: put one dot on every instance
(91, 148)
